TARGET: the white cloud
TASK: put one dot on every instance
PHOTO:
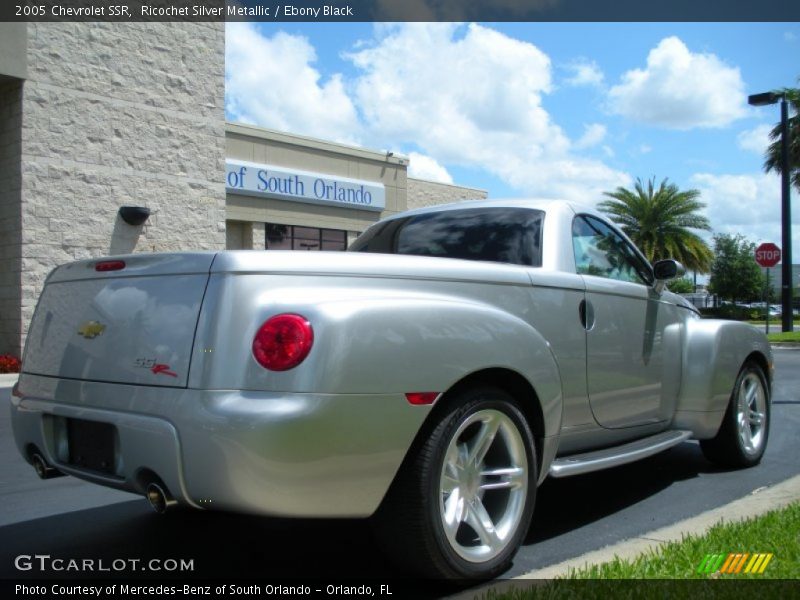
(680, 89)
(270, 81)
(645, 149)
(425, 167)
(473, 96)
(749, 204)
(584, 72)
(755, 140)
(592, 135)
(421, 75)
(457, 95)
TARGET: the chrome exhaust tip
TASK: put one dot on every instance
(160, 501)
(43, 470)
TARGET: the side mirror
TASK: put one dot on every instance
(666, 270)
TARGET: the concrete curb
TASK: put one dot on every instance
(8, 379)
(785, 346)
(758, 502)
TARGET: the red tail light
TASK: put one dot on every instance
(420, 398)
(110, 265)
(283, 342)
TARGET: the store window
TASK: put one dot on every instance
(292, 237)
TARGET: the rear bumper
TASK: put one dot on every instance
(303, 455)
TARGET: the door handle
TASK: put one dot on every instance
(586, 314)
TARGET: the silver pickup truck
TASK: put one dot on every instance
(429, 378)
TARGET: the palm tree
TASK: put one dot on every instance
(659, 220)
(773, 155)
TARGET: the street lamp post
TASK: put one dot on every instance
(787, 319)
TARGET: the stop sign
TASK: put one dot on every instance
(768, 255)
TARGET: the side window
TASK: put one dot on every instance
(601, 251)
(506, 235)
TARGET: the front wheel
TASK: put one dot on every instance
(462, 504)
(742, 437)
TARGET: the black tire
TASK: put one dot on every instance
(729, 447)
(410, 524)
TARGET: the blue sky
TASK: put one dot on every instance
(535, 109)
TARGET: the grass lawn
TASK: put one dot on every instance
(789, 336)
(776, 532)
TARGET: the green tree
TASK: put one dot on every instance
(772, 160)
(684, 285)
(734, 273)
(659, 221)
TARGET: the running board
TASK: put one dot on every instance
(577, 464)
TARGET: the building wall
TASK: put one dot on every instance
(280, 149)
(241, 235)
(13, 50)
(234, 235)
(776, 278)
(10, 224)
(423, 193)
(112, 115)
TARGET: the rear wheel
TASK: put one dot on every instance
(742, 437)
(461, 506)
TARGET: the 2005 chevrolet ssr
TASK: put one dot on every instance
(430, 378)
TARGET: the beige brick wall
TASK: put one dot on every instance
(117, 114)
(244, 235)
(234, 235)
(423, 193)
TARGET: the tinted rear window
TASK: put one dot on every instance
(507, 235)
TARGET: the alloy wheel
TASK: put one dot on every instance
(483, 485)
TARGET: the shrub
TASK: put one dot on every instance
(9, 363)
(730, 311)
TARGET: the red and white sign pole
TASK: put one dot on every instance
(768, 255)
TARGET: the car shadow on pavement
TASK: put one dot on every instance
(569, 503)
(220, 544)
(244, 546)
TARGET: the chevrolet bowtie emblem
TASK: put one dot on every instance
(91, 329)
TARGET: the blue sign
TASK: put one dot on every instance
(252, 179)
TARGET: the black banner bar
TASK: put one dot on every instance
(401, 10)
(633, 589)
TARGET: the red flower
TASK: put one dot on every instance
(9, 363)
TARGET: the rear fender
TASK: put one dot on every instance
(369, 340)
